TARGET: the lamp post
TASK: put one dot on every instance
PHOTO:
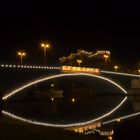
(116, 68)
(106, 57)
(79, 62)
(21, 54)
(45, 46)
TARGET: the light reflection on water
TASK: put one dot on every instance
(66, 100)
(64, 110)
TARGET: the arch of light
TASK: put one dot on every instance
(63, 125)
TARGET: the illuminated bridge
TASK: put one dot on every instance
(17, 78)
(16, 75)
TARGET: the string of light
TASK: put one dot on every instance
(59, 68)
(120, 73)
(27, 66)
(57, 76)
(122, 118)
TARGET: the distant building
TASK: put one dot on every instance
(48, 93)
(55, 93)
(80, 93)
(89, 58)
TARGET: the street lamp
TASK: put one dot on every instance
(45, 46)
(116, 68)
(139, 71)
(52, 99)
(73, 100)
(106, 57)
(110, 138)
(79, 62)
(21, 54)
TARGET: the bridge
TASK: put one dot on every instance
(16, 78)
(13, 76)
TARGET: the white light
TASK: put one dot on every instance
(122, 118)
(73, 74)
(25, 66)
(119, 73)
(52, 99)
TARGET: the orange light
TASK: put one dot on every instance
(139, 71)
(106, 56)
(110, 137)
(21, 53)
(80, 69)
(47, 46)
(42, 45)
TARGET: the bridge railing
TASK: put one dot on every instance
(27, 66)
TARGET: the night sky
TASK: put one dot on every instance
(69, 26)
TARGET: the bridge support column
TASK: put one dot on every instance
(134, 97)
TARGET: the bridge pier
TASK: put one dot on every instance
(134, 94)
(134, 97)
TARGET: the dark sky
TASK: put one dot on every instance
(69, 26)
